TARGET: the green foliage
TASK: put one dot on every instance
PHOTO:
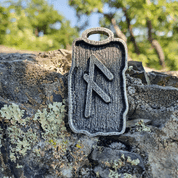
(87, 6)
(42, 16)
(4, 15)
(147, 56)
(170, 46)
(162, 14)
(35, 26)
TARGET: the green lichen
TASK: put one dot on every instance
(21, 138)
(117, 164)
(126, 175)
(51, 121)
(142, 127)
(130, 68)
(114, 174)
(134, 162)
(19, 166)
(97, 174)
(22, 133)
(54, 130)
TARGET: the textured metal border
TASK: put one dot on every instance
(70, 99)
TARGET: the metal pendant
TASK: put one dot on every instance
(96, 85)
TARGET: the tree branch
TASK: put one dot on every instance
(156, 45)
(118, 31)
(154, 42)
(120, 34)
(131, 32)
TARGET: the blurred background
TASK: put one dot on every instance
(149, 27)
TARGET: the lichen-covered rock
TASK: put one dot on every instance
(36, 141)
(153, 102)
(160, 145)
(163, 79)
(125, 161)
(136, 70)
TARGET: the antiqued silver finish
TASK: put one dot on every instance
(92, 86)
(96, 85)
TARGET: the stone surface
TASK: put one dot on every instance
(136, 70)
(24, 82)
(153, 102)
(149, 146)
(133, 122)
(163, 79)
(160, 145)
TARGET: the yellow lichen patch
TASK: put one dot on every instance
(78, 146)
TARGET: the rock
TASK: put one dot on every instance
(132, 123)
(117, 146)
(163, 79)
(124, 160)
(137, 66)
(58, 60)
(153, 102)
(25, 82)
(136, 70)
(160, 145)
(31, 87)
(36, 141)
(102, 155)
(67, 172)
(172, 73)
(102, 171)
(87, 144)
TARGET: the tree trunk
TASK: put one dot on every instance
(156, 45)
(131, 32)
(120, 34)
(118, 31)
(36, 32)
(154, 42)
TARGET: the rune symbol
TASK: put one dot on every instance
(93, 86)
